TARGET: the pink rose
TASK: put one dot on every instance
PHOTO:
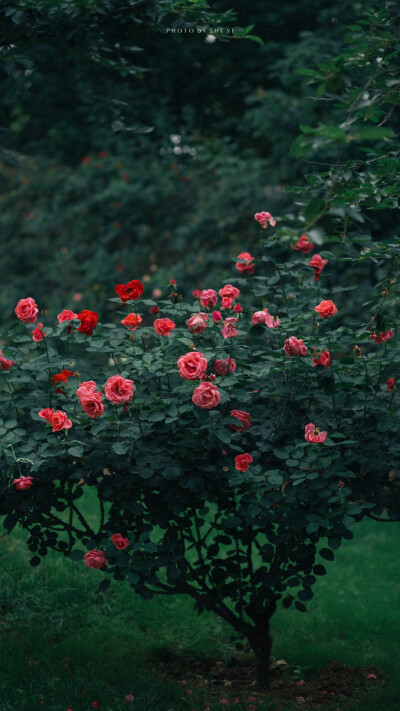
(221, 367)
(295, 346)
(59, 421)
(258, 317)
(208, 298)
(92, 404)
(95, 559)
(198, 323)
(6, 364)
(118, 390)
(242, 462)
(304, 245)
(206, 395)
(38, 334)
(90, 400)
(24, 482)
(163, 326)
(245, 419)
(226, 302)
(319, 264)
(47, 413)
(196, 293)
(237, 309)
(217, 316)
(119, 541)
(326, 309)
(66, 315)
(245, 265)
(192, 365)
(313, 434)
(26, 310)
(229, 331)
(87, 386)
(129, 697)
(383, 336)
(264, 219)
(230, 291)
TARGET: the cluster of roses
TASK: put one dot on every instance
(208, 300)
(305, 246)
(118, 390)
(26, 310)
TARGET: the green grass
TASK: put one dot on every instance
(107, 645)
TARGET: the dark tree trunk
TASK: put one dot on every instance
(261, 643)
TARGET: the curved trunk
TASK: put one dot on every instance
(261, 643)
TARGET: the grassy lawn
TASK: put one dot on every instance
(62, 644)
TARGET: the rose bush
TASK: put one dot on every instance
(212, 477)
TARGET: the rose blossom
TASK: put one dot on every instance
(304, 245)
(271, 321)
(217, 316)
(208, 298)
(129, 697)
(198, 323)
(38, 334)
(319, 264)
(47, 413)
(264, 219)
(326, 309)
(246, 266)
(26, 310)
(245, 419)
(196, 294)
(313, 434)
(132, 321)
(66, 315)
(323, 358)
(118, 390)
(226, 302)
(238, 309)
(61, 377)
(383, 336)
(206, 395)
(230, 291)
(163, 326)
(242, 462)
(192, 365)
(90, 400)
(295, 346)
(221, 367)
(88, 321)
(59, 421)
(130, 291)
(119, 541)
(258, 317)
(391, 384)
(24, 482)
(154, 310)
(228, 327)
(86, 387)
(5, 363)
(95, 559)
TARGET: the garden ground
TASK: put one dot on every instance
(65, 645)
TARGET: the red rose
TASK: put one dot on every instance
(319, 264)
(24, 482)
(304, 245)
(221, 367)
(59, 421)
(230, 291)
(132, 321)
(66, 315)
(383, 336)
(26, 310)
(88, 321)
(391, 384)
(95, 559)
(61, 377)
(245, 266)
(242, 462)
(322, 358)
(154, 310)
(119, 541)
(130, 291)
(244, 418)
(163, 326)
(326, 309)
